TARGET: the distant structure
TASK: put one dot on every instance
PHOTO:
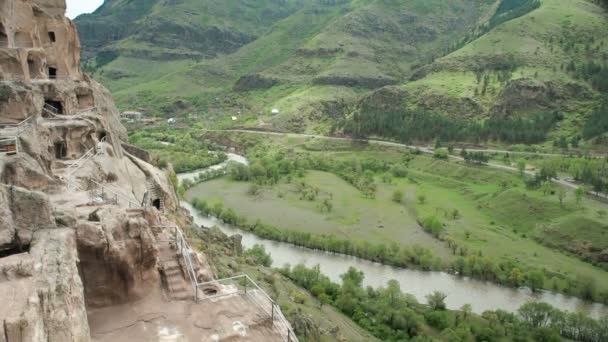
(274, 111)
(132, 115)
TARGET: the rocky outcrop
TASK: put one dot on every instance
(387, 99)
(22, 213)
(41, 293)
(354, 81)
(117, 256)
(526, 93)
(68, 240)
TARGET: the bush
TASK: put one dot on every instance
(259, 254)
(397, 196)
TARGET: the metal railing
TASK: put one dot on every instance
(16, 131)
(184, 250)
(75, 166)
(20, 126)
(109, 192)
(237, 285)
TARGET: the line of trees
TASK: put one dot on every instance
(391, 315)
(408, 126)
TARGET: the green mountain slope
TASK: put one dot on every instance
(326, 63)
(504, 83)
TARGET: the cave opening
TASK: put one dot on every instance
(52, 37)
(3, 37)
(52, 72)
(31, 66)
(156, 203)
(14, 249)
(61, 150)
(101, 135)
(56, 107)
(210, 291)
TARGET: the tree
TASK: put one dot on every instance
(397, 196)
(561, 194)
(421, 198)
(580, 192)
(436, 300)
(535, 280)
(326, 205)
(547, 188)
(259, 255)
(536, 314)
(455, 214)
(521, 166)
(516, 277)
(254, 190)
(466, 309)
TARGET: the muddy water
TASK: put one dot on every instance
(460, 290)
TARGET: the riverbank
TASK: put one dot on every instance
(461, 289)
(479, 177)
(467, 211)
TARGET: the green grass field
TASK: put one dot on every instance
(353, 217)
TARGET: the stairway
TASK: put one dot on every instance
(155, 195)
(178, 284)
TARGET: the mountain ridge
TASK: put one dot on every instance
(317, 60)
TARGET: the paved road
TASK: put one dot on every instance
(424, 149)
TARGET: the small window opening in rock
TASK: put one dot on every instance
(52, 37)
(210, 291)
(31, 66)
(61, 150)
(56, 107)
(3, 37)
(14, 249)
(156, 203)
(52, 72)
(94, 216)
(101, 135)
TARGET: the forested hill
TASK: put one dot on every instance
(517, 71)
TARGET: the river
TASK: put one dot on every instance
(460, 290)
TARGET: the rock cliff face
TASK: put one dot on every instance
(77, 211)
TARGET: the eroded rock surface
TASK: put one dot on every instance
(77, 211)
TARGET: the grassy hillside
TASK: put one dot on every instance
(311, 56)
(547, 60)
(327, 65)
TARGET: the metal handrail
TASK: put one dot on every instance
(186, 252)
(75, 166)
(117, 194)
(19, 124)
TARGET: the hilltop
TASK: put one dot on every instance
(331, 66)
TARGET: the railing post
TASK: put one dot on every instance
(272, 314)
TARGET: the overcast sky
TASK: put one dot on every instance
(76, 7)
